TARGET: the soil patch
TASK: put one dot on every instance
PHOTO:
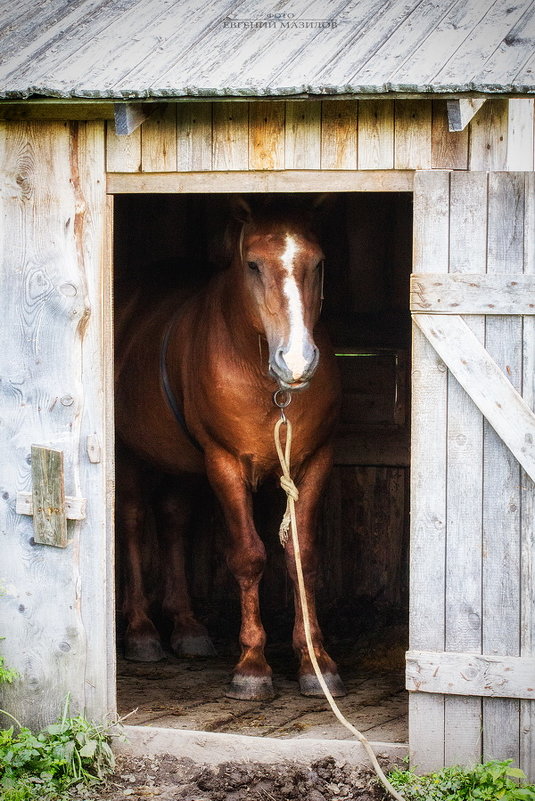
(168, 778)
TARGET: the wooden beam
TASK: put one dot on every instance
(129, 116)
(480, 376)
(472, 293)
(263, 181)
(471, 674)
(461, 112)
(75, 508)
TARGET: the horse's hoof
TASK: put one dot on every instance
(310, 686)
(193, 645)
(250, 688)
(144, 651)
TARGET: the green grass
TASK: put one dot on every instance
(493, 781)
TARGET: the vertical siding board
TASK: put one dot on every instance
(303, 135)
(449, 150)
(230, 136)
(123, 153)
(194, 137)
(502, 502)
(158, 140)
(521, 134)
(44, 313)
(266, 135)
(376, 135)
(488, 137)
(468, 247)
(412, 134)
(527, 586)
(96, 558)
(428, 478)
(339, 135)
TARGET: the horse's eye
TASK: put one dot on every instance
(252, 265)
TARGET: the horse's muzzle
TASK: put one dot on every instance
(288, 380)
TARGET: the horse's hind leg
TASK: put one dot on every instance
(142, 641)
(174, 510)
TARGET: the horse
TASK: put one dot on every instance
(195, 396)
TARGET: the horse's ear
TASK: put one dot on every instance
(241, 209)
(321, 201)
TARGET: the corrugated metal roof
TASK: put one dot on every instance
(128, 49)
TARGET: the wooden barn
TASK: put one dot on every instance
(125, 127)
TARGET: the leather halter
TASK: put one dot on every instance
(166, 384)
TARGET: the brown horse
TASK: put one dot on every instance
(193, 395)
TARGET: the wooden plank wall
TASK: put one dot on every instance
(472, 587)
(312, 135)
(55, 601)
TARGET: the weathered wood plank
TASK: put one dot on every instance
(339, 135)
(194, 136)
(48, 497)
(412, 134)
(266, 135)
(264, 181)
(158, 141)
(376, 135)
(123, 153)
(473, 293)
(467, 253)
(428, 476)
(230, 136)
(527, 513)
(486, 384)
(461, 112)
(502, 497)
(97, 475)
(488, 137)
(471, 674)
(303, 136)
(449, 151)
(521, 135)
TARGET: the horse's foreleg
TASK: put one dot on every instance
(142, 641)
(174, 507)
(311, 487)
(246, 557)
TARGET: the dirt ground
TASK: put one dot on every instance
(168, 778)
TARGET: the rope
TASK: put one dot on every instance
(289, 523)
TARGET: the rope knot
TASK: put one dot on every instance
(289, 488)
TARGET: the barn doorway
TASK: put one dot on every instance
(363, 584)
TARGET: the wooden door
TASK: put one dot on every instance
(471, 664)
(55, 380)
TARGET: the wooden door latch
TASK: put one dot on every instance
(47, 502)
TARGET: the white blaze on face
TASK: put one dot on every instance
(294, 357)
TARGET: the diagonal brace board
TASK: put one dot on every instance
(482, 379)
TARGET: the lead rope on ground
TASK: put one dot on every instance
(289, 524)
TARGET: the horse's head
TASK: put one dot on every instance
(281, 264)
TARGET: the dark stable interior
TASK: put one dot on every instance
(362, 587)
